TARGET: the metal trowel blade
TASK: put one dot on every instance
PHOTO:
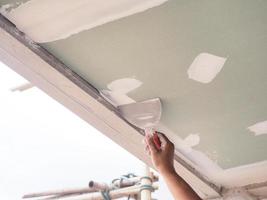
(145, 114)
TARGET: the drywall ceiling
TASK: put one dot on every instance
(159, 52)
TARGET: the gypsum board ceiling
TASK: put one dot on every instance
(158, 46)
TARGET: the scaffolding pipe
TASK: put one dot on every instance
(146, 185)
(113, 194)
(59, 192)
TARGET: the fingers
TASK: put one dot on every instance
(162, 140)
(147, 150)
(152, 147)
(163, 137)
(165, 142)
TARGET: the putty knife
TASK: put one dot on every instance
(145, 115)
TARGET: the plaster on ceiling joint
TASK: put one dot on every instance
(70, 17)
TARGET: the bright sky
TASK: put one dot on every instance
(44, 146)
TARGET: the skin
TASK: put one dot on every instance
(162, 160)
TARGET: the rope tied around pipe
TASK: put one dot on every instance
(123, 177)
(146, 187)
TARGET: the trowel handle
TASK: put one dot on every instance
(151, 132)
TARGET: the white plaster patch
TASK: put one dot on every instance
(124, 85)
(205, 67)
(115, 98)
(50, 20)
(118, 89)
(192, 140)
(259, 128)
(187, 143)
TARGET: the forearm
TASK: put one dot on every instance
(178, 187)
(163, 160)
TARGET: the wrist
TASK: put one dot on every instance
(166, 170)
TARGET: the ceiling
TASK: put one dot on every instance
(157, 48)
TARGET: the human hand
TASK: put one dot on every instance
(162, 158)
